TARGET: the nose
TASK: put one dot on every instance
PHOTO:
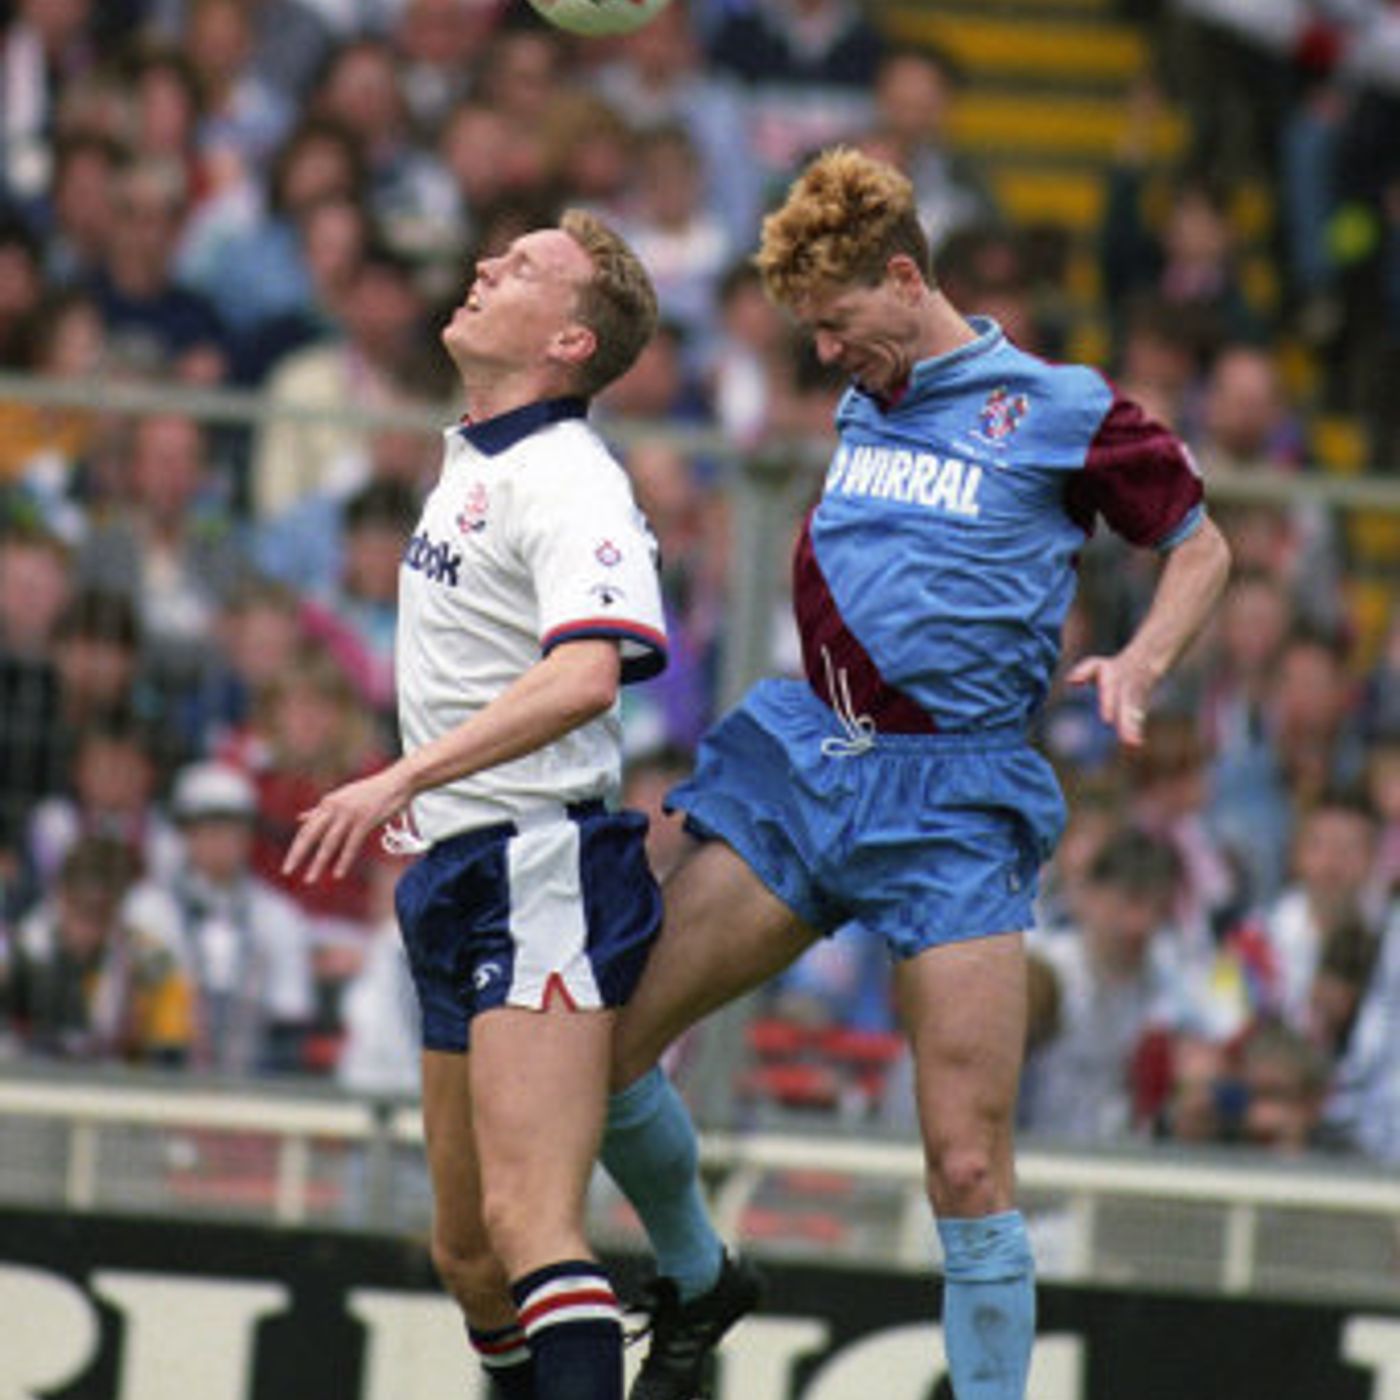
(827, 346)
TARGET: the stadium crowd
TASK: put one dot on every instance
(196, 620)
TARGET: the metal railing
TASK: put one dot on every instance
(1231, 1222)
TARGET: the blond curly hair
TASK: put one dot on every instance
(845, 217)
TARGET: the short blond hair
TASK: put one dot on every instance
(844, 218)
(618, 304)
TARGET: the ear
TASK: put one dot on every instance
(573, 345)
(904, 275)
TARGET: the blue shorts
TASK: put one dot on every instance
(557, 909)
(923, 838)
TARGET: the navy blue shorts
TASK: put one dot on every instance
(562, 908)
(923, 839)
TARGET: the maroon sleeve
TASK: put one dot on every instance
(1137, 474)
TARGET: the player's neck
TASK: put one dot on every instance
(491, 396)
(944, 328)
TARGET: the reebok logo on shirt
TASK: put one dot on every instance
(436, 560)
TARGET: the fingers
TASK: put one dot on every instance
(1121, 707)
(329, 839)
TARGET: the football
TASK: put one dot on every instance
(596, 17)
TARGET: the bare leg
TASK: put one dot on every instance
(461, 1247)
(724, 933)
(964, 1005)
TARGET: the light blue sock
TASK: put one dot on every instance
(649, 1149)
(988, 1305)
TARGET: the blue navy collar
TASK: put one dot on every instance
(493, 436)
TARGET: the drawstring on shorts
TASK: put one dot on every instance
(859, 736)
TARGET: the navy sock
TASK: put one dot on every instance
(988, 1305)
(505, 1357)
(574, 1327)
(649, 1149)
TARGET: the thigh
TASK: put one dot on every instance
(724, 932)
(963, 1006)
(539, 1089)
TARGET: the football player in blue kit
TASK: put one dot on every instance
(894, 785)
(528, 593)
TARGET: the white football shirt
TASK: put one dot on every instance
(530, 538)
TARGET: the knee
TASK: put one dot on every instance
(968, 1178)
(472, 1274)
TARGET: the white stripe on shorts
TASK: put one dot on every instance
(547, 917)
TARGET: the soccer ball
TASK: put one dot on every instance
(595, 17)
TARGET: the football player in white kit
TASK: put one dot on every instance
(528, 594)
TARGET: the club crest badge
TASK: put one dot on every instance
(472, 517)
(1001, 415)
(608, 554)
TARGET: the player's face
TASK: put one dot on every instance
(519, 302)
(869, 333)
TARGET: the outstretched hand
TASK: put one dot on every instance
(1124, 690)
(336, 828)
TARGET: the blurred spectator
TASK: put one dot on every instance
(247, 251)
(521, 73)
(439, 43)
(984, 271)
(682, 242)
(246, 944)
(1284, 1079)
(35, 584)
(408, 192)
(80, 208)
(590, 154)
(112, 788)
(1309, 747)
(258, 636)
(290, 38)
(1118, 978)
(381, 1051)
(842, 981)
(1176, 242)
(749, 376)
(87, 984)
(44, 44)
(1380, 700)
(1097, 810)
(1253, 621)
(1365, 1101)
(807, 68)
(44, 447)
(355, 617)
(914, 93)
(1169, 790)
(1383, 791)
(310, 733)
(656, 79)
(305, 546)
(90, 674)
(382, 318)
(244, 115)
(169, 544)
(155, 325)
(1331, 889)
(659, 386)
(1247, 426)
(1155, 361)
(488, 159)
(21, 290)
